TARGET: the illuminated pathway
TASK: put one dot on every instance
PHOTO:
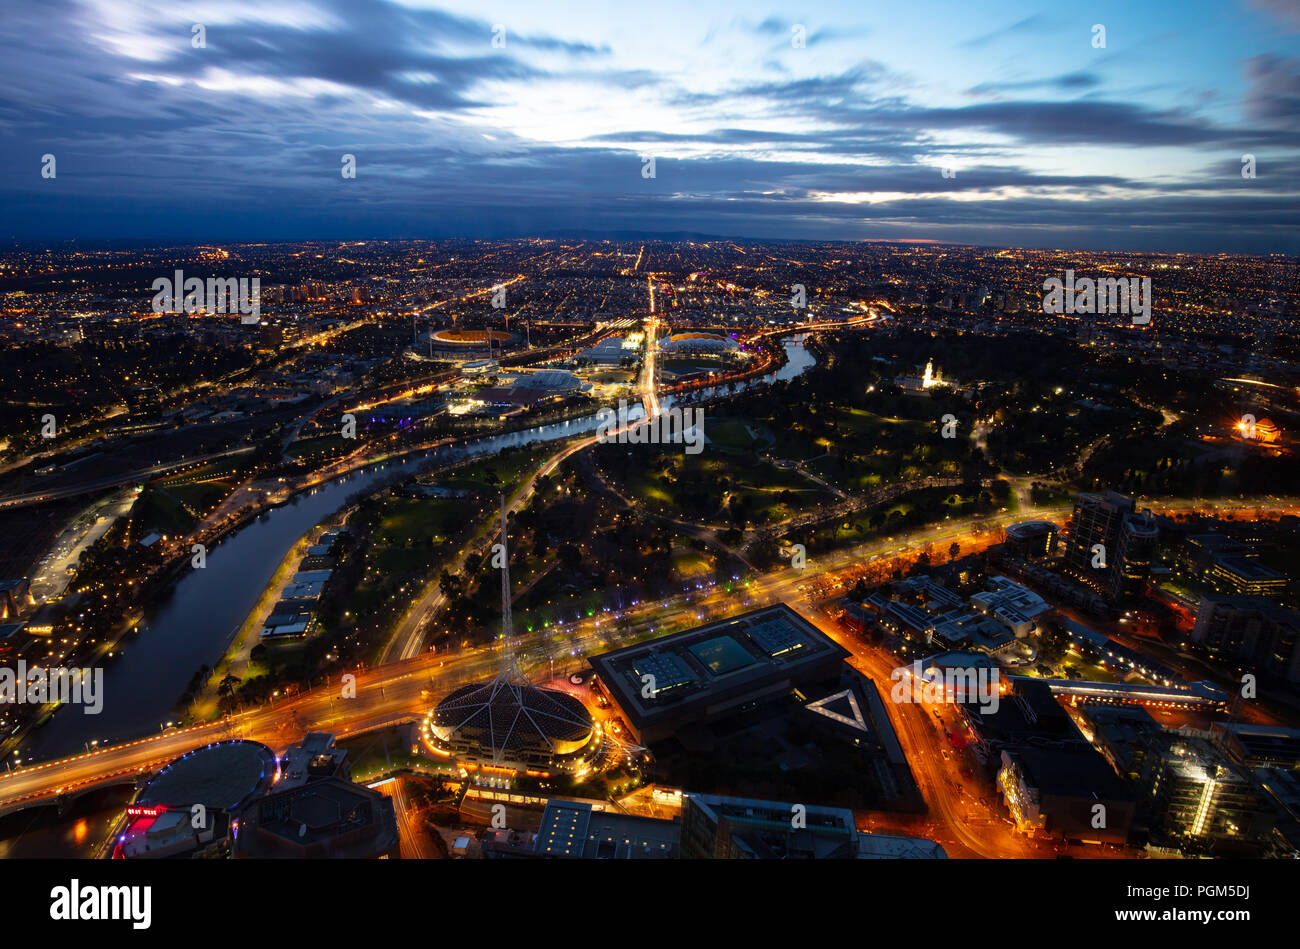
(649, 395)
(400, 691)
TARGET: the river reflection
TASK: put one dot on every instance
(197, 622)
(44, 833)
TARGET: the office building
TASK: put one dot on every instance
(1110, 544)
(576, 829)
(715, 827)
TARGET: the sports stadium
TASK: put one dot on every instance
(194, 799)
(508, 724)
(512, 725)
(224, 775)
(469, 339)
(698, 344)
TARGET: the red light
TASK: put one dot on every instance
(146, 811)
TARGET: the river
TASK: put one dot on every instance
(197, 622)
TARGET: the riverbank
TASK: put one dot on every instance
(236, 660)
(206, 609)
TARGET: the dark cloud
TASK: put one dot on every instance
(1286, 12)
(852, 100)
(380, 48)
(157, 160)
(1274, 94)
(1071, 82)
(1080, 122)
(810, 91)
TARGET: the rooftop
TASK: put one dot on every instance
(222, 775)
(696, 668)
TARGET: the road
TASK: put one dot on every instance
(401, 691)
(971, 821)
(408, 640)
(140, 475)
(53, 573)
(413, 838)
(646, 384)
(392, 691)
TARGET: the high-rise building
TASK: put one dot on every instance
(1137, 548)
(1245, 576)
(1253, 628)
(1195, 793)
(1111, 544)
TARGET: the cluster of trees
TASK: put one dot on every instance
(76, 382)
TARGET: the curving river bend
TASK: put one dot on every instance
(197, 622)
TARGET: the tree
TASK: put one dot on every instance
(570, 556)
(954, 550)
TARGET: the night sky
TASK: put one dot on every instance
(1054, 142)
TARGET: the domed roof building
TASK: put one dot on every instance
(509, 723)
(512, 724)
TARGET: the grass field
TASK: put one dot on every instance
(767, 492)
(320, 447)
(406, 520)
(161, 511)
(507, 469)
(728, 434)
(690, 564)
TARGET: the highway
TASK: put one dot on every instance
(404, 690)
(393, 691)
(646, 384)
(138, 476)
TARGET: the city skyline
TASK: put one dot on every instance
(686, 432)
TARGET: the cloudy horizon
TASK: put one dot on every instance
(994, 124)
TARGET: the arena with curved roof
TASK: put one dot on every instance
(224, 775)
(508, 723)
(549, 380)
(707, 344)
